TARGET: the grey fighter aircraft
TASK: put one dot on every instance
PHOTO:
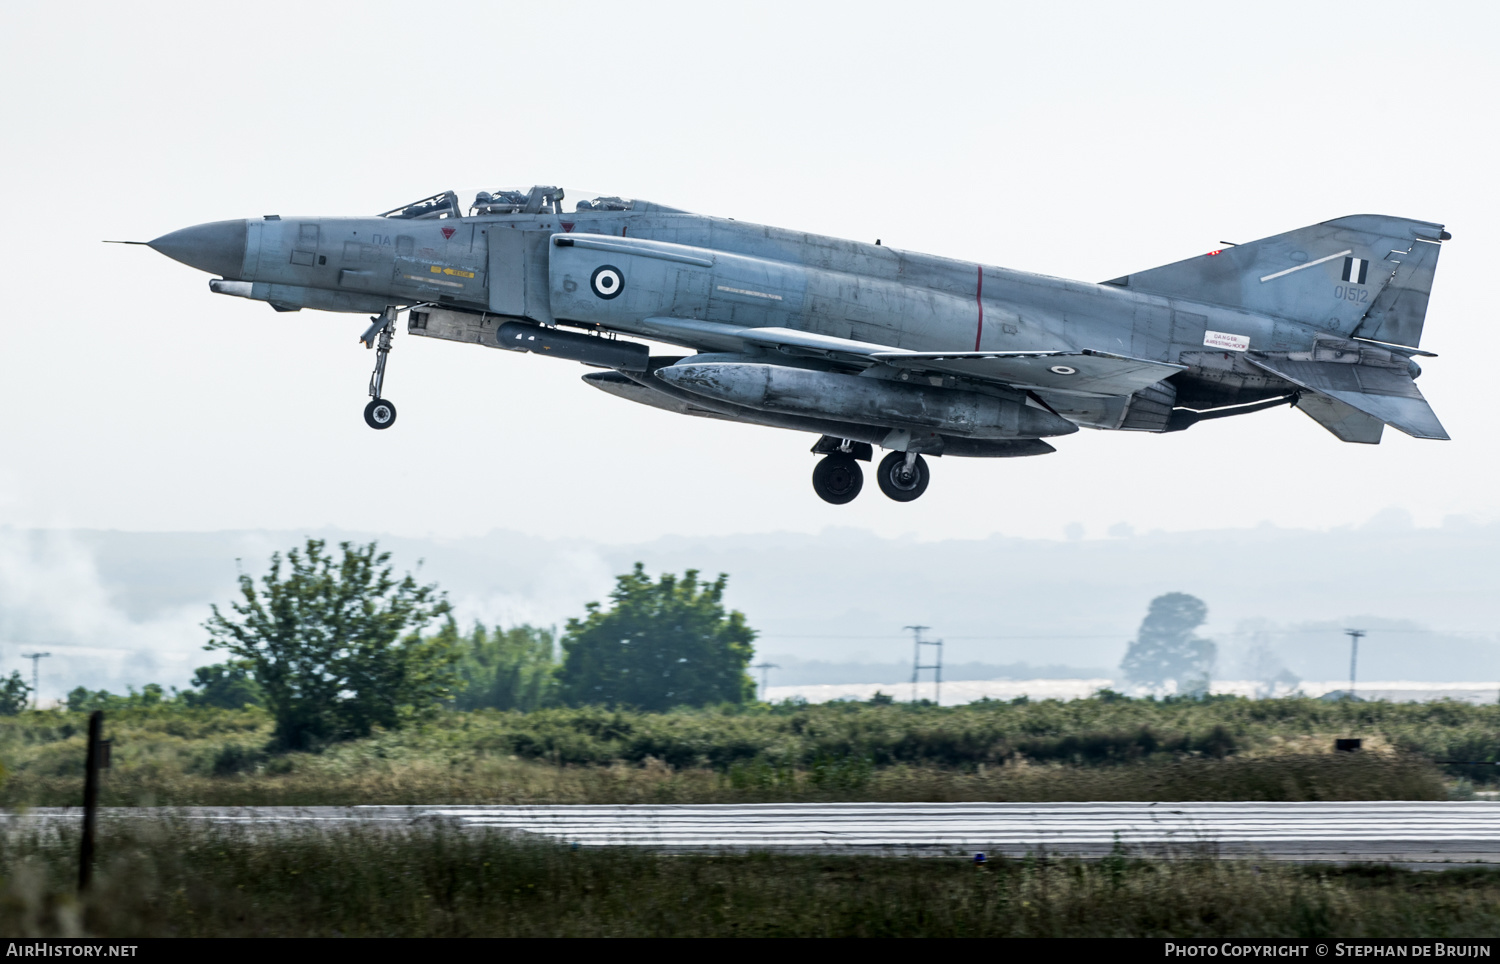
(859, 344)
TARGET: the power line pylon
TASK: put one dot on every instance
(765, 669)
(916, 663)
(36, 693)
(1354, 637)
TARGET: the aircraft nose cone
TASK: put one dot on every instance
(217, 247)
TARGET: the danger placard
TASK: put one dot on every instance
(1223, 339)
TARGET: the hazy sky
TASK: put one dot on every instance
(1078, 140)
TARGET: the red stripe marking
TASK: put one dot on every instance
(979, 300)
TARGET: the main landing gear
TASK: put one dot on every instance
(380, 413)
(838, 478)
(903, 476)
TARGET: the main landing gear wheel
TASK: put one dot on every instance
(838, 479)
(902, 477)
(380, 413)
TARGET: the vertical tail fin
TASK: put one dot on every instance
(1367, 275)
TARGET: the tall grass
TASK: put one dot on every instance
(192, 880)
(519, 782)
(1106, 748)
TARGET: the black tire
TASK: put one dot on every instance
(380, 413)
(896, 483)
(838, 479)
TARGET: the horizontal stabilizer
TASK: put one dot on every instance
(1383, 391)
(1349, 424)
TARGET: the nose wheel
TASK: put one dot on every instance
(380, 413)
(903, 476)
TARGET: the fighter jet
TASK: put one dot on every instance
(864, 345)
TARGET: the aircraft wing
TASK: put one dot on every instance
(1386, 393)
(1076, 372)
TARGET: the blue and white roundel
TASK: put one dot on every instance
(607, 281)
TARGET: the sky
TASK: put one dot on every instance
(1072, 139)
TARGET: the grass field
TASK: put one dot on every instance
(172, 878)
(196, 881)
(1097, 749)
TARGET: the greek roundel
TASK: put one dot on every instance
(1355, 270)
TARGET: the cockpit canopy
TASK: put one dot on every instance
(541, 199)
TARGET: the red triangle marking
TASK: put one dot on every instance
(448, 232)
(567, 225)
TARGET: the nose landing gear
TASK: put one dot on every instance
(380, 413)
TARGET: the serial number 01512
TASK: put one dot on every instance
(1351, 293)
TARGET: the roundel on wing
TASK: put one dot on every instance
(607, 281)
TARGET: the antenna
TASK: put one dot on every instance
(36, 694)
(916, 662)
(765, 668)
(1354, 637)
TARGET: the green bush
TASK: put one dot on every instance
(501, 669)
(15, 695)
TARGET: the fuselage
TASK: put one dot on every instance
(508, 265)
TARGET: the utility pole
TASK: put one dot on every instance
(765, 669)
(1354, 638)
(36, 693)
(916, 663)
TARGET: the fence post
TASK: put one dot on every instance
(90, 800)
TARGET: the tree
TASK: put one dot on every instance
(663, 644)
(502, 669)
(15, 695)
(1165, 649)
(84, 700)
(334, 643)
(229, 686)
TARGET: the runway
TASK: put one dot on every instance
(1407, 833)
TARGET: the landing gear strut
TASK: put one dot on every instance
(903, 476)
(380, 413)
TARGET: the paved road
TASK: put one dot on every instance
(1409, 833)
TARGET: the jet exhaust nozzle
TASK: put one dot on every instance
(869, 401)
